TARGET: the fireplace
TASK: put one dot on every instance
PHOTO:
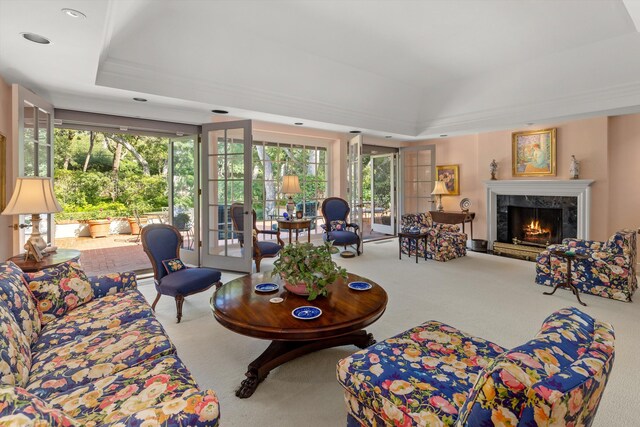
(534, 226)
(569, 203)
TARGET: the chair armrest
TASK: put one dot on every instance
(271, 232)
(587, 244)
(451, 228)
(199, 409)
(324, 227)
(109, 284)
(353, 225)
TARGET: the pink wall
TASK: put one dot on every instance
(6, 169)
(587, 139)
(624, 173)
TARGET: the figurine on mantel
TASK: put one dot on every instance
(493, 168)
(574, 168)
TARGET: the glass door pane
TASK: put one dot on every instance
(382, 194)
(355, 182)
(183, 199)
(227, 180)
(418, 166)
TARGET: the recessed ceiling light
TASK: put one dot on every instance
(139, 99)
(298, 123)
(354, 131)
(36, 38)
(443, 135)
(388, 136)
(179, 134)
(530, 123)
(220, 111)
(124, 128)
(73, 13)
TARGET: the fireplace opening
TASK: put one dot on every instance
(534, 226)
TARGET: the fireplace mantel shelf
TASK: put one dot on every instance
(579, 188)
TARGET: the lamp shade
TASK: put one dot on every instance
(440, 188)
(290, 184)
(32, 195)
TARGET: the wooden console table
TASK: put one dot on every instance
(58, 257)
(454, 218)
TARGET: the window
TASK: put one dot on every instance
(272, 161)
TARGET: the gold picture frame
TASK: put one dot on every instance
(533, 153)
(450, 174)
(3, 172)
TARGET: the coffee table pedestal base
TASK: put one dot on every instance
(280, 352)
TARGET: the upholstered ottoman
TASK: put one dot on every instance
(436, 375)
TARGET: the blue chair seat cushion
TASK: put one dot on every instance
(188, 281)
(342, 237)
(268, 248)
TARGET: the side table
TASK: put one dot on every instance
(296, 224)
(415, 237)
(58, 257)
(569, 256)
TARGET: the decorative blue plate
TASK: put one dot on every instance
(360, 286)
(306, 312)
(267, 287)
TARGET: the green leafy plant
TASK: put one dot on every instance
(309, 264)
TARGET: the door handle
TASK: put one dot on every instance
(246, 212)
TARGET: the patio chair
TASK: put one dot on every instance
(261, 249)
(336, 226)
(161, 243)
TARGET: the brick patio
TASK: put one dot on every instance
(120, 252)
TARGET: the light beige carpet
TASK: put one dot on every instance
(488, 296)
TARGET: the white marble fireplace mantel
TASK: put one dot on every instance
(579, 188)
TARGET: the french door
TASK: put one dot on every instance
(226, 179)
(355, 183)
(184, 207)
(383, 203)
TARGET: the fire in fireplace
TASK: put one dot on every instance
(534, 226)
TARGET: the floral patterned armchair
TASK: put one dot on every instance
(444, 241)
(437, 375)
(609, 271)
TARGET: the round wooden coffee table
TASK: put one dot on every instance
(345, 312)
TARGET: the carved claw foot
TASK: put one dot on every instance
(248, 386)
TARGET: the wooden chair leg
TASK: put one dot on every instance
(258, 264)
(179, 301)
(153, 306)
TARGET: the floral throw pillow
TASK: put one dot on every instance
(339, 225)
(60, 289)
(16, 296)
(173, 265)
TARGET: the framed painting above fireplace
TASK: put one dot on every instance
(534, 153)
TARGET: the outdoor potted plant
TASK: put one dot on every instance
(99, 227)
(307, 269)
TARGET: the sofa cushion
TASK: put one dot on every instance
(16, 296)
(21, 408)
(59, 289)
(112, 311)
(96, 356)
(15, 355)
(555, 379)
(421, 376)
(129, 391)
(112, 283)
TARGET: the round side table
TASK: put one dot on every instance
(58, 257)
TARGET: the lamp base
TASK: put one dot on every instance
(439, 206)
(36, 238)
(291, 207)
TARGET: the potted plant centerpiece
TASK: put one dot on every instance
(307, 269)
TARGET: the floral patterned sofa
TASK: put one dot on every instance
(444, 241)
(437, 375)
(609, 271)
(78, 351)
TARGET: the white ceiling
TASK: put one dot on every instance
(411, 69)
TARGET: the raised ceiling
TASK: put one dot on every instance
(411, 69)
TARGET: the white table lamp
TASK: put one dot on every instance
(290, 185)
(34, 196)
(438, 190)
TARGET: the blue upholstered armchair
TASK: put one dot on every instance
(261, 248)
(161, 243)
(337, 227)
